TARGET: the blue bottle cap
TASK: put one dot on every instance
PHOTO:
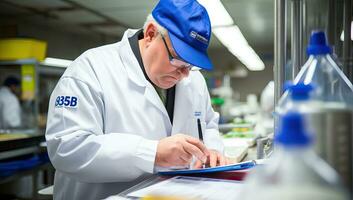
(293, 131)
(318, 44)
(299, 91)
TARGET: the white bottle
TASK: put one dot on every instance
(331, 112)
(295, 172)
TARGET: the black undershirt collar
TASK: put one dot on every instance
(170, 97)
(133, 40)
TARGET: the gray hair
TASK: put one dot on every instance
(150, 19)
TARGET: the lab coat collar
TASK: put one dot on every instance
(135, 73)
(131, 64)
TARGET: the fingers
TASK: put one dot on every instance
(221, 159)
(185, 157)
(197, 165)
(216, 159)
(178, 150)
(193, 150)
(213, 159)
(198, 144)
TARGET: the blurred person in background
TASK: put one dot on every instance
(10, 109)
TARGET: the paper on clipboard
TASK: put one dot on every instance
(192, 188)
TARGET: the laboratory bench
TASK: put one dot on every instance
(12, 145)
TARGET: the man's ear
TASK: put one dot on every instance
(151, 33)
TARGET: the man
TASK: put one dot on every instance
(10, 116)
(124, 110)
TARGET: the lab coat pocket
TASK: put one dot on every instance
(192, 128)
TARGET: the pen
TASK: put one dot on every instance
(200, 135)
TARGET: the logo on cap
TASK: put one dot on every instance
(198, 37)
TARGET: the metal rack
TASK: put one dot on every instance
(32, 140)
(33, 128)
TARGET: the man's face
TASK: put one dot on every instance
(156, 60)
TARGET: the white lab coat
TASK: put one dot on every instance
(103, 144)
(10, 109)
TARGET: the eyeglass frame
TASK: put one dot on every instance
(172, 58)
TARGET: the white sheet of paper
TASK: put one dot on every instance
(193, 188)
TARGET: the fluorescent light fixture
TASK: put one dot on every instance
(232, 38)
(230, 35)
(218, 14)
(56, 62)
(248, 57)
(342, 34)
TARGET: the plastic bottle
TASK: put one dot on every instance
(299, 95)
(295, 171)
(323, 72)
(331, 87)
(331, 110)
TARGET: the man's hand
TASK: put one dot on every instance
(178, 150)
(214, 159)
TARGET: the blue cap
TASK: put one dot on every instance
(299, 91)
(318, 44)
(293, 131)
(189, 29)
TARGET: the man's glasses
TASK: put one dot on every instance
(177, 62)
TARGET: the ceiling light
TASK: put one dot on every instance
(218, 14)
(248, 57)
(232, 38)
(230, 35)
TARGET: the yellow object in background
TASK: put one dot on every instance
(28, 82)
(18, 48)
(12, 136)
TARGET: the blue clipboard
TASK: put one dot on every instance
(232, 167)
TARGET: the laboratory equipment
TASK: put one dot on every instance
(265, 123)
(323, 72)
(267, 100)
(330, 115)
(295, 171)
(225, 92)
